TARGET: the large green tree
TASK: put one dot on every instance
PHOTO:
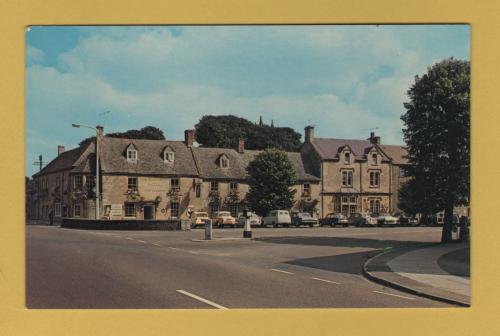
(226, 130)
(147, 132)
(271, 176)
(437, 133)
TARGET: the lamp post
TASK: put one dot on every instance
(98, 132)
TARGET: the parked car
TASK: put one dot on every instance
(255, 220)
(198, 218)
(407, 220)
(277, 217)
(333, 219)
(223, 218)
(362, 219)
(440, 219)
(387, 219)
(303, 218)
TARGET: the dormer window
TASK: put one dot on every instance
(347, 158)
(374, 159)
(168, 155)
(131, 153)
(224, 162)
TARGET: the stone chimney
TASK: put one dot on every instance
(241, 145)
(60, 149)
(374, 139)
(189, 137)
(309, 134)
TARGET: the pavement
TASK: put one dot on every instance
(438, 271)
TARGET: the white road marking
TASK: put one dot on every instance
(193, 252)
(213, 304)
(329, 281)
(173, 248)
(129, 238)
(281, 271)
(399, 296)
(156, 244)
(142, 241)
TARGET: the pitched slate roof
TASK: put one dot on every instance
(149, 157)
(329, 149)
(71, 159)
(207, 160)
(398, 154)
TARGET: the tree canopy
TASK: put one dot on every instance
(437, 133)
(271, 176)
(225, 131)
(147, 132)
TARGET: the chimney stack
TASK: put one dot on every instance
(309, 134)
(241, 145)
(60, 149)
(189, 137)
(374, 139)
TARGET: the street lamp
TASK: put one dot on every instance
(98, 131)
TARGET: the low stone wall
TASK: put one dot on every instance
(106, 224)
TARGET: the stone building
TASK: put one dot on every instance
(154, 179)
(356, 175)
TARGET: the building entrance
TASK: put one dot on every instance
(149, 212)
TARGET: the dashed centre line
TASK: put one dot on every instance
(199, 298)
(281, 271)
(399, 296)
(329, 281)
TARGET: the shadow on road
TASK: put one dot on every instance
(341, 242)
(351, 263)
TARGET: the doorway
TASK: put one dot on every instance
(149, 212)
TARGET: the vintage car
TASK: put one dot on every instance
(333, 219)
(303, 218)
(362, 219)
(387, 219)
(277, 217)
(255, 219)
(223, 218)
(198, 218)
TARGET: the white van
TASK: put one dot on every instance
(277, 217)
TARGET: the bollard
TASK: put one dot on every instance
(208, 229)
(247, 230)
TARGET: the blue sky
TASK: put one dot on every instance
(343, 79)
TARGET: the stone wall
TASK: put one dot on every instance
(102, 224)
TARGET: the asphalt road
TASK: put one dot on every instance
(281, 268)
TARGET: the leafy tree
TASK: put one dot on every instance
(225, 131)
(271, 174)
(437, 134)
(147, 132)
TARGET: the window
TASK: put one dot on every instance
(224, 162)
(130, 210)
(344, 199)
(402, 172)
(175, 184)
(77, 210)
(57, 209)
(306, 187)
(374, 159)
(78, 182)
(90, 182)
(197, 190)
(58, 182)
(214, 186)
(132, 183)
(233, 208)
(347, 178)
(168, 156)
(174, 209)
(233, 186)
(131, 154)
(345, 210)
(347, 158)
(353, 199)
(374, 179)
(374, 206)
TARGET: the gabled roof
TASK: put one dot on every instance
(329, 149)
(398, 154)
(207, 160)
(150, 159)
(75, 159)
